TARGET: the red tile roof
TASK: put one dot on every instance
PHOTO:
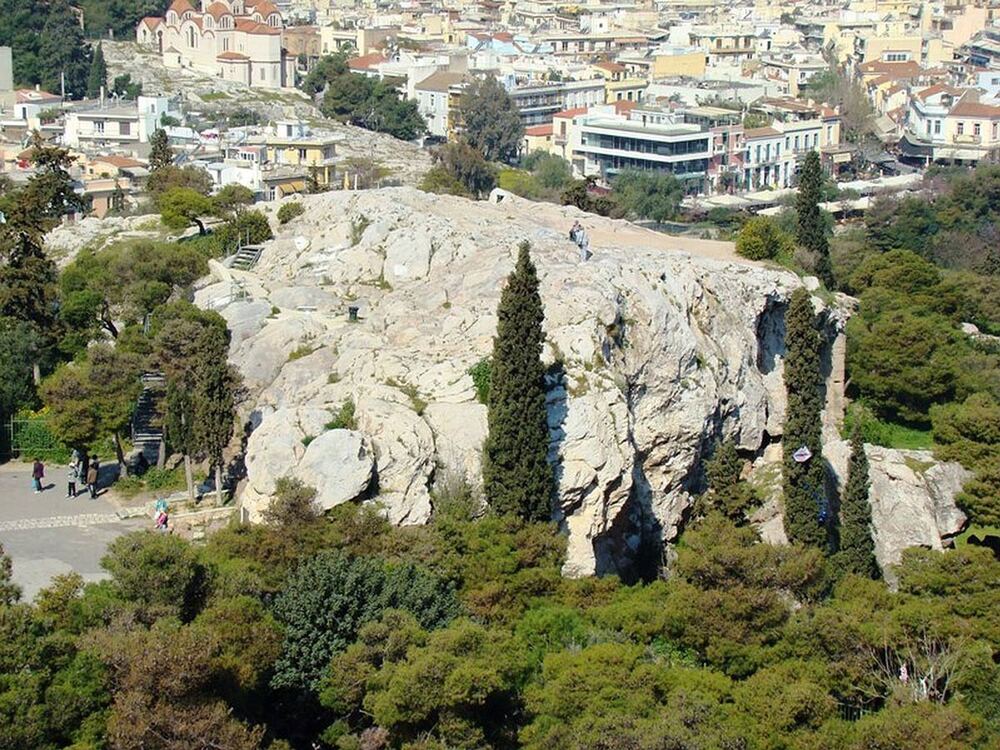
(571, 112)
(231, 56)
(366, 62)
(539, 130)
(252, 27)
(151, 21)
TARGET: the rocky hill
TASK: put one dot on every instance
(659, 347)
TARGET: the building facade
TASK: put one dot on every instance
(237, 40)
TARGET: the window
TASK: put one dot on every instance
(758, 152)
(99, 127)
(125, 128)
(302, 154)
(960, 129)
(263, 74)
(994, 131)
(977, 129)
(937, 127)
(796, 143)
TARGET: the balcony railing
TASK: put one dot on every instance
(968, 138)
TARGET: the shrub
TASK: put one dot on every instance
(761, 239)
(32, 437)
(344, 419)
(289, 211)
(481, 375)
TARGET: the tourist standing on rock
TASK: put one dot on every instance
(93, 473)
(584, 246)
(37, 474)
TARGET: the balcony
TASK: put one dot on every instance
(967, 139)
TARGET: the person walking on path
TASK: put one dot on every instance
(37, 474)
(93, 474)
(72, 477)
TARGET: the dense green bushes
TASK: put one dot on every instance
(463, 634)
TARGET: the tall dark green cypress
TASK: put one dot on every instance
(517, 477)
(857, 548)
(160, 153)
(811, 232)
(98, 75)
(804, 485)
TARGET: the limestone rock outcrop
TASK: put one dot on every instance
(657, 347)
(912, 499)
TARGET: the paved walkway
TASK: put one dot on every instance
(48, 534)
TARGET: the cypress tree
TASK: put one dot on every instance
(811, 233)
(160, 153)
(517, 477)
(98, 75)
(804, 487)
(857, 548)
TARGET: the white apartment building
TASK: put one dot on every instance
(604, 142)
(115, 125)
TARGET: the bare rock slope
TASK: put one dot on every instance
(659, 346)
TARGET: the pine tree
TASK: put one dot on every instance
(811, 232)
(857, 548)
(517, 477)
(160, 153)
(804, 485)
(97, 78)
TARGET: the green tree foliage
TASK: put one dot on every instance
(232, 200)
(804, 481)
(900, 223)
(550, 171)
(51, 194)
(181, 207)
(47, 43)
(328, 600)
(190, 347)
(158, 572)
(491, 122)
(122, 283)
(168, 177)
(647, 195)
(517, 477)
(460, 169)
(969, 432)
(811, 228)
(160, 153)
(727, 491)
(10, 592)
(214, 397)
(93, 397)
(578, 194)
(373, 104)
(293, 504)
(857, 548)
(247, 228)
(126, 88)
(20, 347)
(326, 69)
(760, 238)
(97, 78)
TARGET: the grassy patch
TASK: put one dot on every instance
(303, 351)
(213, 96)
(887, 434)
(917, 467)
(155, 480)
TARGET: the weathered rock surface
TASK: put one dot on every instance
(912, 499)
(657, 346)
